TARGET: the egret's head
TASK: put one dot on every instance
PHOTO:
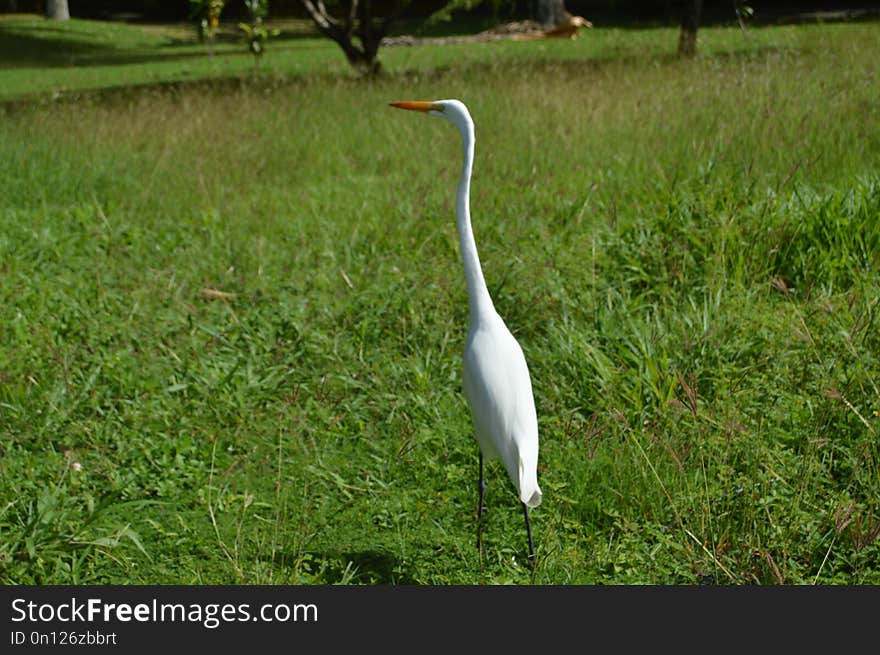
(452, 110)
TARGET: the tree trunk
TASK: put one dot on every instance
(551, 13)
(57, 9)
(357, 21)
(690, 23)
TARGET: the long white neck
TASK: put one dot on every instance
(479, 300)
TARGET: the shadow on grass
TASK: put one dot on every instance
(46, 46)
(376, 566)
(42, 45)
(22, 50)
(18, 50)
(246, 81)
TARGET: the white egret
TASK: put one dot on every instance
(496, 378)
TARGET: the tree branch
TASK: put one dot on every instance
(352, 16)
(357, 22)
(319, 15)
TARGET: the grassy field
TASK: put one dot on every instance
(688, 252)
(40, 59)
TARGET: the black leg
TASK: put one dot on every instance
(481, 486)
(529, 533)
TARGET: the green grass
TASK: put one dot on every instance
(687, 251)
(40, 58)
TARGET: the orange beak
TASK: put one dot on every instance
(417, 105)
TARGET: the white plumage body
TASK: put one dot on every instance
(499, 392)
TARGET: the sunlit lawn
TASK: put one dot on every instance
(687, 251)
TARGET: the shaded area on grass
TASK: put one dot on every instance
(37, 43)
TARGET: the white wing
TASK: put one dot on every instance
(499, 391)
